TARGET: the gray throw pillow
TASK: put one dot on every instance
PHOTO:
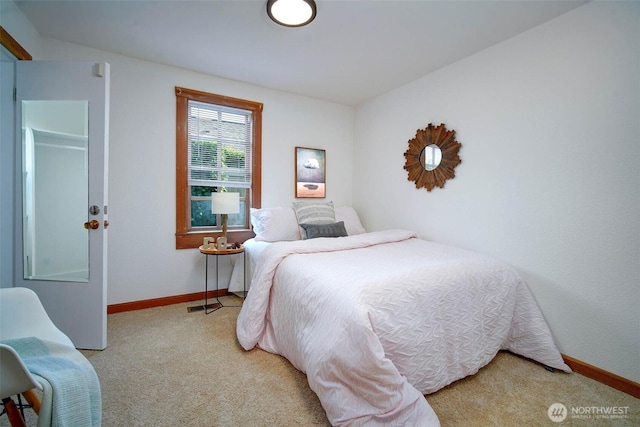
(325, 230)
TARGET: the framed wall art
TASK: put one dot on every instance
(310, 172)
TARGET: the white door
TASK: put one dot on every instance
(62, 161)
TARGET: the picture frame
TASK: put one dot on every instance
(311, 166)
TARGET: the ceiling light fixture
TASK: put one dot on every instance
(291, 13)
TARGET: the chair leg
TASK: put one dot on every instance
(15, 419)
(33, 400)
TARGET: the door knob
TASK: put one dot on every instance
(92, 225)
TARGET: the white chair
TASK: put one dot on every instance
(22, 315)
(16, 379)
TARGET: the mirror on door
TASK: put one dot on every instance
(55, 190)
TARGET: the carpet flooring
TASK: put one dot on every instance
(167, 366)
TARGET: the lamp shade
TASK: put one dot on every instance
(291, 13)
(225, 203)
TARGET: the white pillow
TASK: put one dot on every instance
(275, 224)
(351, 220)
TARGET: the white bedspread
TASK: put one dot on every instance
(379, 319)
(242, 272)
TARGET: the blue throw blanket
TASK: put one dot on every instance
(76, 389)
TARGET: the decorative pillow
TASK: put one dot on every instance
(351, 220)
(275, 224)
(324, 230)
(314, 213)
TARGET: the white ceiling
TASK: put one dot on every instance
(353, 51)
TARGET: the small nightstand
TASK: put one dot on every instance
(218, 253)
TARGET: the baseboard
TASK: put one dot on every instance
(159, 302)
(589, 371)
(604, 377)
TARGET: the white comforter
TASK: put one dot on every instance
(379, 319)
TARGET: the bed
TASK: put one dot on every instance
(377, 320)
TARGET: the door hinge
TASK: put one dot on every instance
(15, 94)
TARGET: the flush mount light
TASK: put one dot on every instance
(291, 13)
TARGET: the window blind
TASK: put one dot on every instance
(220, 140)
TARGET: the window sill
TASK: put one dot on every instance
(194, 239)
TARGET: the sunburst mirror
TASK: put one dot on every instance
(432, 156)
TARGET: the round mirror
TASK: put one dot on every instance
(430, 157)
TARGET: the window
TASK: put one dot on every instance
(218, 148)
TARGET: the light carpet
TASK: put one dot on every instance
(165, 366)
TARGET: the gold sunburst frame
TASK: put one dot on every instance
(445, 140)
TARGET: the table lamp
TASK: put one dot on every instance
(224, 204)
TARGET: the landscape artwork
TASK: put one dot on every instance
(310, 172)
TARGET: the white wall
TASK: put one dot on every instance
(549, 181)
(7, 170)
(143, 261)
(16, 24)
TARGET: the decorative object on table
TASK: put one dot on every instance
(208, 243)
(310, 172)
(291, 13)
(432, 156)
(224, 203)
